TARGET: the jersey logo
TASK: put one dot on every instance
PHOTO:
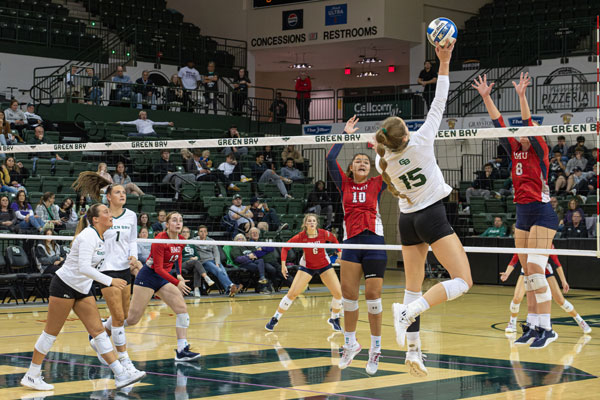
(404, 161)
(521, 155)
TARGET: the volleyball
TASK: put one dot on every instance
(442, 31)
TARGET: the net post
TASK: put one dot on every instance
(597, 136)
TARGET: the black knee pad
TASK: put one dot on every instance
(374, 268)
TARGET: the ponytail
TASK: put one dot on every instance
(89, 184)
(88, 218)
(391, 135)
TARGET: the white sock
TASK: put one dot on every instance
(350, 339)
(513, 320)
(532, 320)
(578, 318)
(413, 340)
(277, 315)
(117, 368)
(181, 343)
(35, 370)
(123, 354)
(335, 315)
(376, 343)
(544, 321)
(418, 307)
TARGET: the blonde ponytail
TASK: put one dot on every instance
(391, 136)
(89, 183)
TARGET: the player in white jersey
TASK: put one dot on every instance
(408, 165)
(70, 289)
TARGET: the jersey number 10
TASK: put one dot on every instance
(359, 197)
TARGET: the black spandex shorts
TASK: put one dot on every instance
(424, 226)
(58, 288)
(124, 274)
(374, 268)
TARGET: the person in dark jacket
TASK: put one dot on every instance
(145, 91)
(318, 201)
(171, 174)
(264, 217)
(8, 218)
(483, 184)
(575, 229)
(161, 224)
(50, 256)
(240, 91)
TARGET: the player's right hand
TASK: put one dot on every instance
(444, 53)
(503, 276)
(118, 283)
(284, 271)
(183, 288)
(482, 86)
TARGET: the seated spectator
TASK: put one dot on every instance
(578, 160)
(7, 137)
(232, 169)
(561, 147)
(269, 156)
(121, 178)
(145, 91)
(558, 209)
(271, 259)
(49, 212)
(144, 125)
(498, 230)
(262, 174)
(175, 92)
(121, 86)
(82, 206)
(591, 160)
(201, 167)
(291, 172)
(18, 173)
(483, 184)
(73, 83)
(291, 152)
(588, 184)
(171, 175)
(144, 223)
(8, 219)
(38, 139)
(576, 179)
(32, 118)
(245, 258)
(205, 158)
(581, 144)
(572, 207)
(210, 258)
(15, 117)
(241, 214)
(143, 248)
(557, 170)
(576, 228)
(233, 133)
(319, 200)
(191, 264)
(49, 254)
(265, 218)
(67, 214)
(92, 90)
(507, 188)
(103, 172)
(161, 223)
(6, 183)
(278, 110)
(25, 215)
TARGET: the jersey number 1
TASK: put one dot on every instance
(414, 177)
(118, 235)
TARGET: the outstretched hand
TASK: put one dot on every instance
(481, 85)
(351, 125)
(524, 81)
(444, 53)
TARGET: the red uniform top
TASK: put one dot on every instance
(164, 256)
(529, 168)
(303, 88)
(316, 257)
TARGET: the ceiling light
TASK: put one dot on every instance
(369, 60)
(366, 74)
(300, 66)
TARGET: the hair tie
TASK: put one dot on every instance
(384, 131)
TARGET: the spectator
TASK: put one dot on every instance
(31, 117)
(262, 174)
(265, 218)
(6, 134)
(558, 209)
(145, 126)
(319, 200)
(244, 257)
(557, 169)
(483, 184)
(49, 212)
(144, 223)
(231, 169)
(589, 183)
(576, 228)
(240, 91)
(171, 174)
(15, 117)
(278, 110)
(189, 76)
(6, 183)
(211, 88)
(199, 166)
(18, 173)
(175, 92)
(191, 264)
(210, 258)
(82, 205)
(269, 156)
(498, 230)
(291, 152)
(24, 212)
(145, 91)
(507, 188)
(67, 214)
(592, 160)
(271, 259)
(303, 89)
(428, 79)
(92, 90)
(186, 155)
(561, 147)
(576, 180)
(572, 208)
(233, 133)
(8, 219)
(38, 139)
(49, 254)
(73, 83)
(290, 172)
(122, 84)
(143, 248)
(581, 144)
(161, 223)
(103, 172)
(578, 160)
(205, 158)
(121, 178)
(241, 214)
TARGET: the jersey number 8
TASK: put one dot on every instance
(519, 169)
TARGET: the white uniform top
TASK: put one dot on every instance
(414, 172)
(84, 261)
(121, 242)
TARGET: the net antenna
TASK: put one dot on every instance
(598, 136)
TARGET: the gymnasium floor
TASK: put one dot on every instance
(468, 355)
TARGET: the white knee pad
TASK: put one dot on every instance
(514, 308)
(103, 343)
(545, 296)
(455, 288)
(538, 259)
(536, 281)
(285, 303)
(350, 305)
(118, 336)
(374, 306)
(182, 320)
(409, 296)
(336, 304)
(44, 343)
(568, 307)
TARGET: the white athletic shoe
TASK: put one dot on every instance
(100, 358)
(585, 327)
(401, 322)
(36, 383)
(129, 378)
(128, 364)
(414, 361)
(373, 362)
(510, 328)
(348, 355)
(209, 281)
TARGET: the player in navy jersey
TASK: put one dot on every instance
(362, 225)
(536, 220)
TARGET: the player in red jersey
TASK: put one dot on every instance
(362, 225)
(536, 220)
(552, 267)
(155, 277)
(316, 261)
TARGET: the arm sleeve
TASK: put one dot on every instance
(158, 254)
(539, 145)
(128, 122)
(160, 123)
(434, 117)
(514, 260)
(86, 251)
(337, 174)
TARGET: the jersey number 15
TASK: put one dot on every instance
(413, 178)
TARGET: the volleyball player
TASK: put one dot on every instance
(552, 267)
(317, 262)
(536, 220)
(408, 165)
(70, 289)
(362, 225)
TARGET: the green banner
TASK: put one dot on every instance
(377, 110)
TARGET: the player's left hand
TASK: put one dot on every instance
(565, 286)
(350, 125)
(524, 81)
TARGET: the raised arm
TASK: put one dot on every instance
(481, 85)
(521, 88)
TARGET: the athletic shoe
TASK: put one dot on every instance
(271, 324)
(510, 328)
(585, 327)
(415, 362)
(93, 344)
(262, 280)
(209, 281)
(545, 337)
(235, 289)
(373, 362)
(197, 292)
(36, 383)
(529, 335)
(401, 322)
(186, 354)
(127, 364)
(335, 324)
(348, 355)
(129, 378)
